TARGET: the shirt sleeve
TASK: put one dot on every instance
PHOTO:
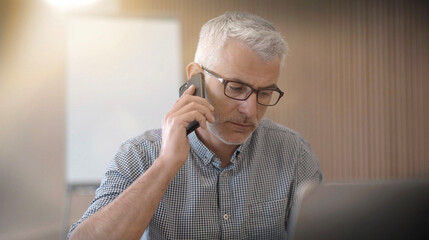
(307, 171)
(127, 165)
(308, 166)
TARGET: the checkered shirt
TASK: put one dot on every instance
(249, 199)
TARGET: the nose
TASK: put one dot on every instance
(249, 106)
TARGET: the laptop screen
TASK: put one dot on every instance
(369, 210)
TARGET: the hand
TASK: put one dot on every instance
(188, 108)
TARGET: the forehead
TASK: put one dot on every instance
(238, 62)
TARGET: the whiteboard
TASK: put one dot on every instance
(123, 76)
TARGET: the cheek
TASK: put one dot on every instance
(220, 102)
(261, 112)
(224, 108)
(213, 93)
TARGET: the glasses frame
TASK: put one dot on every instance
(226, 81)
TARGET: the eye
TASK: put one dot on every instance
(265, 93)
(236, 87)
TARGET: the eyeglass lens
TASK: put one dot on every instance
(240, 91)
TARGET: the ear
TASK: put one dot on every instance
(192, 69)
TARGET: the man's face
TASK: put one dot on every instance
(236, 120)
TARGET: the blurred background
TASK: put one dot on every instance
(356, 83)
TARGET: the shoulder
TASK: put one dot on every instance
(144, 147)
(149, 139)
(270, 129)
(283, 141)
(272, 136)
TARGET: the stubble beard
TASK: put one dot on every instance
(214, 129)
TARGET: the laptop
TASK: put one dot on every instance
(364, 211)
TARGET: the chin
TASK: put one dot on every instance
(228, 137)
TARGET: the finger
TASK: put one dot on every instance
(187, 98)
(191, 103)
(184, 98)
(191, 98)
(194, 106)
(189, 117)
(189, 91)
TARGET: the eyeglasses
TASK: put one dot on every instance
(241, 91)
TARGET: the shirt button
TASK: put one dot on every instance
(225, 216)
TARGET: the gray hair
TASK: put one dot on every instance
(257, 33)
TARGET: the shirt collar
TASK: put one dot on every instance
(200, 149)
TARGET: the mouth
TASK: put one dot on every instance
(242, 125)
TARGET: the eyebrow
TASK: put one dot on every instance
(272, 86)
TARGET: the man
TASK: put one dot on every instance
(236, 176)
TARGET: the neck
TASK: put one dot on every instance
(219, 148)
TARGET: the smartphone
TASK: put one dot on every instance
(200, 90)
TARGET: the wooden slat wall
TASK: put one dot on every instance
(356, 77)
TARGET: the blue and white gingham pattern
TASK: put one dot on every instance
(249, 199)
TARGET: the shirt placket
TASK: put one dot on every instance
(226, 217)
